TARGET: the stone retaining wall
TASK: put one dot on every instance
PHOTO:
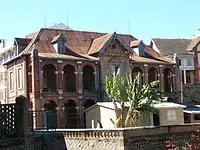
(140, 138)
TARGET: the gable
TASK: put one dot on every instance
(114, 48)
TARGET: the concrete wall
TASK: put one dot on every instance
(92, 114)
(106, 115)
(119, 139)
(170, 120)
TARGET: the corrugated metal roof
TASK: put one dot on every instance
(151, 52)
(77, 41)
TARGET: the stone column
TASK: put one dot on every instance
(174, 78)
(96, 73)
(37, 103)
(80, 112)
(184, 76)
(58, 116)
(41, 81)
(161, 78)
(57, 81)
(79, 78)
(62, 116)
(145, 73)
(60, 77)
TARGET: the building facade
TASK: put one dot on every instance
(64, 71)
(177, 48)
(195, 48)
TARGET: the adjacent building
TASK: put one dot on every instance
(177, 48)
(195, 48)
(64, 71)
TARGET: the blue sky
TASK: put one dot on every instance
(148, 18)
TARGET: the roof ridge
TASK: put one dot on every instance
(32, 42)
(88, 32)
(170, 39)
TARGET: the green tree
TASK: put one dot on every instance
(133, 97)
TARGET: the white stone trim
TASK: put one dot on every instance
(79, 62)
(59, 61)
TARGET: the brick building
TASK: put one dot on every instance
(195, 48)
(64, 71)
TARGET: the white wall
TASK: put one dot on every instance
(187, 63)
(106, 115)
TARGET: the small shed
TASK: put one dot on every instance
(102, 112)
(170, 113)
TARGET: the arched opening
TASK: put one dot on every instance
(49, 78)
(50, 114)
(88, 78)
(88, 103)
(152, 75)
(70, 114)
(69, 79)
(168, 82)
(137, 71)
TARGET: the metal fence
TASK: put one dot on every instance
(50, 120)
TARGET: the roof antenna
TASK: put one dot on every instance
(44, 21)
(129, 27)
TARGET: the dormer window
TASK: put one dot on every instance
(59, 44)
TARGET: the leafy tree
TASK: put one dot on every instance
(133, 97)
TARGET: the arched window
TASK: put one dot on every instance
(168, 82)
(69, 78)
(49, 78)
(71, 114)
(88, 78)
(152, 75)
(50, 114)
(137, 71)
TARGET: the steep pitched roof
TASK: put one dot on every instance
(22, 41)
(98, 43)
(78, 42)
(193, 43)
(56, 38)
(140, 59)
(135, 43)
(171, 46)
(151, 52)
